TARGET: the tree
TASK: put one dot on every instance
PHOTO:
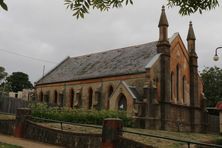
(3, 5)
(187, 7)
(18, 81)
(212, 79)
(3, 74)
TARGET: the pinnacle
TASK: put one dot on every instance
(191, 35)
(163, 19)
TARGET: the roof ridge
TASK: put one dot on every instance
(109, 50)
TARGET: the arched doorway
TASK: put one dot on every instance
(90, 93)
(71, 98)
(122, 103)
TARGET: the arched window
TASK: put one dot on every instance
(77, 100)
(184, 88)
(90, 93)
(122, 103)
(55, 97)
(61, 99)
(46, 97)
(178, 82)
(71, 98)
(157, 89)
(172, 85)
(41, 96)
(110, 91)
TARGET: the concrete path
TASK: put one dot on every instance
(24, 142)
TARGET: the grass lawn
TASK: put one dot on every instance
(144, 139)
(4, 145)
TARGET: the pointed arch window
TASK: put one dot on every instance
(55, 97)
(184, 88)
(78, 100)
(122, 103)
(41, 96)
(61, 98)
(90, 97)
(71, 98)
(178, 82)
(172, 85)
(110, 91)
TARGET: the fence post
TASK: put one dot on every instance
(112, 129)
(22, 114)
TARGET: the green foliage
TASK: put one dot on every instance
(81, 7)
(212, 79)
(77, 115)
(5, 145)
(3, 74)
(187, 7)
(18, 81)
(3, 5)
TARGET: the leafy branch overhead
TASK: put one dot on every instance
(187, 7)
(3, 5)
(81, 7)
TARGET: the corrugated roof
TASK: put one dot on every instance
(121, 61)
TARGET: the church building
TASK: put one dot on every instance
(156, 83)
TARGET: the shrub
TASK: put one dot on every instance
(78, 115)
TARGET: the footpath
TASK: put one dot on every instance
(24, 142)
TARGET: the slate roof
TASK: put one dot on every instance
(129, 60)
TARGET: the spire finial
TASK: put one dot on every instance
(191, 35)
(163, 8)
(163, 19)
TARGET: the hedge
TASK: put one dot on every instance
(78, 115)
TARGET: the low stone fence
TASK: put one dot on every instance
(111, 136)
(7, 127)
(62, 138)
(127, 143)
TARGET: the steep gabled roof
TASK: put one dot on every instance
(129, 60)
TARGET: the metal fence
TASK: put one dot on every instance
(188, 142)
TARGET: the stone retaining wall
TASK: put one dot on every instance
(62, 138)
(71, 139)
(7, 127)
(127, 143)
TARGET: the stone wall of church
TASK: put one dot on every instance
(180, 73)
(99, 87)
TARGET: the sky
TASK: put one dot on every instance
(34, 34)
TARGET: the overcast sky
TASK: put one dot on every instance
(45, 29)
